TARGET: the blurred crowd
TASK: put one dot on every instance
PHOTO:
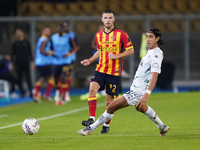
(54, 59)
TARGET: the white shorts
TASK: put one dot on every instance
(132, 97)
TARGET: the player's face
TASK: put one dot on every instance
(19, 33)
(48, 31)
(108, 20)
(66, 28)
(151, 40)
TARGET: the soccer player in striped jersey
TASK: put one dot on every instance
(43, 62)
(140, 90)
(108, 71)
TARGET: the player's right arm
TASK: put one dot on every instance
(87, 62)
(93, 44)
(43, 51)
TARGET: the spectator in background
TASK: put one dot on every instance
(63, 46)
(21, 58)
(5, 74)
(72, 57)
(43, 61)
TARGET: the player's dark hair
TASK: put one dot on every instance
(45, 27)
(157, 33)
(65, 23)
(60, 29)
(108, 11)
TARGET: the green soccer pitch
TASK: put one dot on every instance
(128, 129)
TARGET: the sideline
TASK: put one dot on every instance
(53, 116)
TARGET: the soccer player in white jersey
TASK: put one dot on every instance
(140, 90)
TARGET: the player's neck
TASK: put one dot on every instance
(107, 30)
(155, 46)
(21, 38)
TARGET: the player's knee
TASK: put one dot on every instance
(142, 109)
(93, 89)
(110, 110)
(109, 100)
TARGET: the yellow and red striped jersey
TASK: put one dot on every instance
(111, 42)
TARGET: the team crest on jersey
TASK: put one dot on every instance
(112, 37)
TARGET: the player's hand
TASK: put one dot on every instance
(112, 56)
(142, 103)
(85, 62)
(51, 53)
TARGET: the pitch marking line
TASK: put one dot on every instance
(108, 135)
(54, 116)
(3, 116)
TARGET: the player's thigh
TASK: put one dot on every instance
(57, 71)
(112, 85)
(97, 78)
(117, 104)
(132, 97)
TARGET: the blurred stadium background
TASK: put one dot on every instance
(179, 21)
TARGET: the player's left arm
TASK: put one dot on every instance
(142, 104)
(129, 50)
(74, 47)
(155, 71)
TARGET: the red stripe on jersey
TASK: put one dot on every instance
(101, 54)
(114, 61)
(106, 55)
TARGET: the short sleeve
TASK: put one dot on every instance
(126, 41)
(156, 62)
(97, 41)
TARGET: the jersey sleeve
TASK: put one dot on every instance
(126, 41)
(97, 41)
(156, 62)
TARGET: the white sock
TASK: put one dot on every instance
(102, 119)
(106, 125)
(92, 117)
(150, 113)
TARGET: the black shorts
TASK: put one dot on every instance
(44, 71)
(60, 69)
(110, 82)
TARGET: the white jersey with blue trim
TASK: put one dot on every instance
(151, 62)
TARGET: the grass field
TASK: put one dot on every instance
(128, 130)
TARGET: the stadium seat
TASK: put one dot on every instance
(23, 8)
(100, 7)
(48, 9)
(129, 9)
(136, 26)
(175, 25)
(115, 7)
(88, 8)
(120, 25)
(194, 6)
(142, 7)
(74, 9)
(60, 9)
(169, 7)
(160, 24)
(195, 24)
(35, 9)
(156, 7)
(81, 27)
(183, 6)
